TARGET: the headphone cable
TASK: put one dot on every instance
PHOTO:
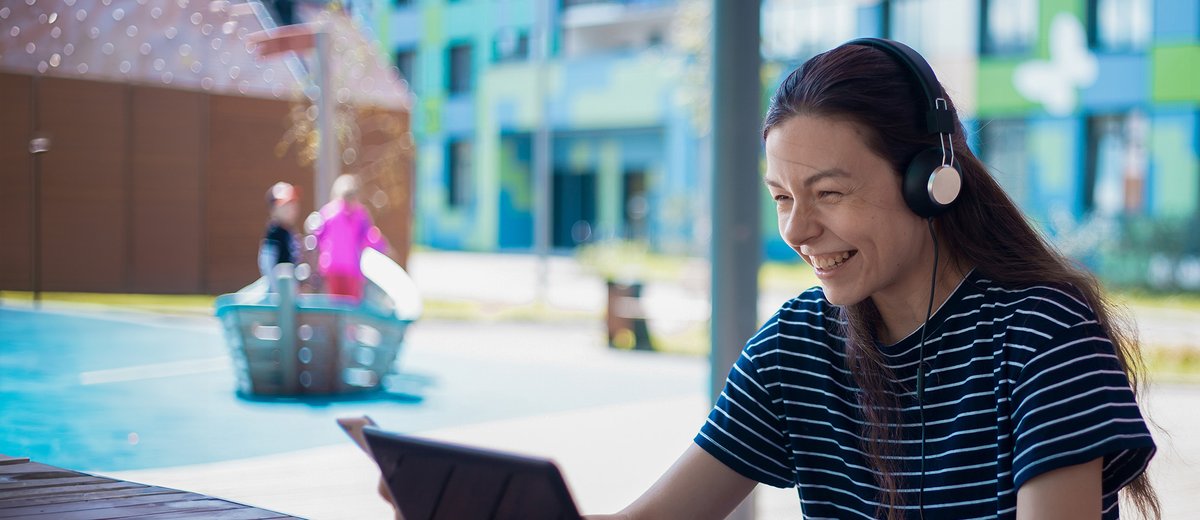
(921, 370)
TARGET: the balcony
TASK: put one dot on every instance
(614, 26)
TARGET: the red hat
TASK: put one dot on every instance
(282, 193)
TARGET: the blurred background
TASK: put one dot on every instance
(544, 170)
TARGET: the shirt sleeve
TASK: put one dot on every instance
(745, 428)
(1072, 403)
(375, 239)
(268, 256)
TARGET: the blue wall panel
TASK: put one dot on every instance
(405, 28)
(1056, 148)
(870, 19)
(458, 115)
(1176, 20)
(516, 224)
(1124, 80)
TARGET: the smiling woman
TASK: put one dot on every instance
(1015, 399)
(840, 208)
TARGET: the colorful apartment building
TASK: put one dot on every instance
(1088, 111)
(624, 151)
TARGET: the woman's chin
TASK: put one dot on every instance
(841, 298)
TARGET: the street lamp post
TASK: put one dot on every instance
(543, 161)
(37, 146)
(328, 160)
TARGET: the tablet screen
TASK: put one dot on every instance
(437, 480)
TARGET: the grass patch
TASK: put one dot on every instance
(171, 303)
(1181, 301)
(203, 304)
(692, 340)
(1172, 364)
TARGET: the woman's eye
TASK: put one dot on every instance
(828, 194)
(781, 198)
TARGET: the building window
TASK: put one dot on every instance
(799, 29)
(458, 80)
(1009, 26)
(1115, 172)
(1119, 25)
(406, 60)
(933, 27)
(1002, 143)
(510, 45)
(459, 180)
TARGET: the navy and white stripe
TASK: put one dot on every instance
(1020, 381)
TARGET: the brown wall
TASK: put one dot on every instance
(16, 163)
(85, 187)
(145, 189)
(168, 134)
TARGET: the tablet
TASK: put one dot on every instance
(437, 480)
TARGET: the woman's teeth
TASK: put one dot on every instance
(829, 261)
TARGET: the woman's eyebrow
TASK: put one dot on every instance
(824, 174)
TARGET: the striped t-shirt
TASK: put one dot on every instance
(1019, 382)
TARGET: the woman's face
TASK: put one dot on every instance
(839, 206)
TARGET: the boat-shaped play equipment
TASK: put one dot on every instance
(286, 343)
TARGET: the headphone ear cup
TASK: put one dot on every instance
(929, 186)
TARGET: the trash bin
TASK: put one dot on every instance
(626, 318)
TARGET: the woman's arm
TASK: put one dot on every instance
(1065, 493)
(697, 486)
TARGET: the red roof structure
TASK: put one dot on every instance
(186, 44)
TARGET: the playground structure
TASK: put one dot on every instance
(286, 343)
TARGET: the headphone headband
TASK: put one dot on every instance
(938, 119)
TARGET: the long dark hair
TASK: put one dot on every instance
(983, 229)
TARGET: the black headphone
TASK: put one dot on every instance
(932, 181)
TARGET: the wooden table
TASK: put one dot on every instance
(38, 491)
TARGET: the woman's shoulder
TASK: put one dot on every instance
(1051, 297)
(805, 329)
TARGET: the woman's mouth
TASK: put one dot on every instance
(830, 261)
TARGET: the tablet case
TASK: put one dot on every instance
(434, 480)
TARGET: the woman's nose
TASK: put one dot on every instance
(799, 226)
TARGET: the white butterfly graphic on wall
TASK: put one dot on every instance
(1055, 83)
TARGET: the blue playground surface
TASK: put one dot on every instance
(105, 390)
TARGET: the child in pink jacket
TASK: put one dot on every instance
(345, 230)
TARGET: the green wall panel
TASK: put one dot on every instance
(609, 198)
(516, 85)
(1176, 169)
(633, 97)
(1175, 73)
(997, 94)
